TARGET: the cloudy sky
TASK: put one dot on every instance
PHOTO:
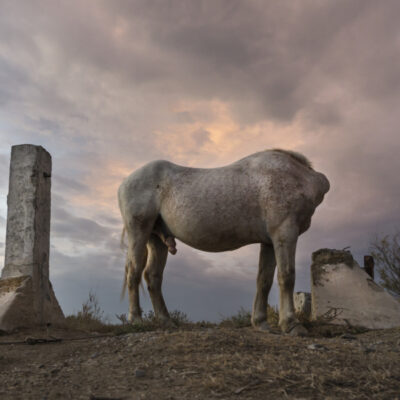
(107, 86)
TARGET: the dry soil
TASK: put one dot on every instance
(200, 363)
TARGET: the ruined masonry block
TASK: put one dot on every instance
(26, 294)
(344, 292)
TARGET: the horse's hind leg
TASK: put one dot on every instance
(153, 274)
(285, 241)
(265, 277)
(136, 261)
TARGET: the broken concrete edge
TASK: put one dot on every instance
(344, 294)
(17, 309)
(325, 256)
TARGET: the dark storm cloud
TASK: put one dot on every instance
(268, 59)
(12, 79)
(273, 55)
(81, 230)
(230, 50)
(267, 52)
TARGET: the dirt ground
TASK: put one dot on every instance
(201, 363)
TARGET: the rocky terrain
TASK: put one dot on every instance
(196, 362)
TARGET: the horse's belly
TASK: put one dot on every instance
(216, 234)
(215, 210)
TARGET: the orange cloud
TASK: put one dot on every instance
(103, 185)
(211, 136)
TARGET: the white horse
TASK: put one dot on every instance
(267, 198)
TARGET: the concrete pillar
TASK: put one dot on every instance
(26, 294)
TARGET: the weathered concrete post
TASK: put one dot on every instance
(26, 294)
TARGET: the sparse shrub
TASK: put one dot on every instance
(179, 318)
(122, 318)
(386, 253)
(239, 320)
(91, 309)
(323, 327)
(149, 322)
(90, 317)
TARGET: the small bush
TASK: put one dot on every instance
(239, 320)
(179, 318)
(386, 253)
(91, 309)
(90, 317)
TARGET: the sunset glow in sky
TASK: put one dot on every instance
(107, 86)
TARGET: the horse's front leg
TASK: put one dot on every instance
(285, 241)
(265, 277)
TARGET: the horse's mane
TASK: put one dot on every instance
(297, 156)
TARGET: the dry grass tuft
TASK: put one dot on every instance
(323, 327)
(149, 322)
(90, 318)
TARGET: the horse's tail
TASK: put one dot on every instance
(125, 281)
(122, 244)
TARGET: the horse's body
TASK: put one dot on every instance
(268, 198)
